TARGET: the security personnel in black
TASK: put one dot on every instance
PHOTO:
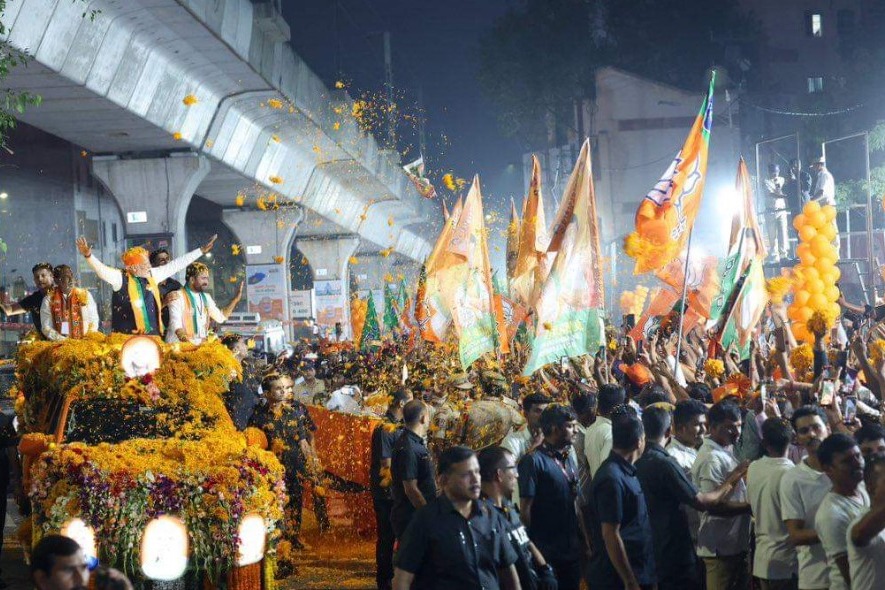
(383, 438)
(457, 540)
(412, 481)
(498, 469)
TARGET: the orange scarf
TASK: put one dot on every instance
(72, 312)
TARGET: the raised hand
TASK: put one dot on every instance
(83, 247)
(209, 244)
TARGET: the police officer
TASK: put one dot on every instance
(497, 467)
(384, 436)
(456, 540)
(411, 469)
(444, 416)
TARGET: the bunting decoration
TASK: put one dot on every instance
(371, 332)
(415, 172)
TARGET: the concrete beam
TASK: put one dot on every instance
(153, 193)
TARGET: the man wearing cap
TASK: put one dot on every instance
(136, 308)
(310, 390)
(824, 191)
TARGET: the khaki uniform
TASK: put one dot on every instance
(488, 421)
(444, 419)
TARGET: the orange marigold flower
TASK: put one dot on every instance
(177, 136)
(275, 103)
(275, 179)
(189, 100)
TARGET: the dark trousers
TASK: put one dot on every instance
(383, 543)
(568, 573)
(295, 489)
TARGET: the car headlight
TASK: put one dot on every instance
(164, 549)
(252, 533)
(83, 534)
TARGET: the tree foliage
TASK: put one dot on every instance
(538, 60)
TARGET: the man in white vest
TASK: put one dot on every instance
(192, 309)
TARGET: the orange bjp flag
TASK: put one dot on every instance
(532, 260)
(667, 213)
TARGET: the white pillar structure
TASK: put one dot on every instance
(329, 258)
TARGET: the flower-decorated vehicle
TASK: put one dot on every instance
(127, 447)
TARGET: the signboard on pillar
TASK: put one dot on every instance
(150, 242)
(328, 303)
(266, 290)
(300, 304)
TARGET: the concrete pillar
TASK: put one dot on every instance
(153, 193)
(330, 260)
(265, 236)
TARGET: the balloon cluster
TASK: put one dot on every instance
(633, 302)
(816, 274)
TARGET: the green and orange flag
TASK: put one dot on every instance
(667, 213)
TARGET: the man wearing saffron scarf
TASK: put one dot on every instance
(135, 304)
(67, 311)
(193, 308)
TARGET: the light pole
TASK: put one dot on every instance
(871, 297)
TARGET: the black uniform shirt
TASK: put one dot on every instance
(31, 304)
(284, 432)
(383, 438)
(666, 488)
(410, 460)
(617, 498)
(446, 551)
(519, 541)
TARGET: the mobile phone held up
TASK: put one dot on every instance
(826, 394)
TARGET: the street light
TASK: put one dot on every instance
(4, 196)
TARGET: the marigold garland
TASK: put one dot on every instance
(206, 473)
(802, 360)
(714, 368)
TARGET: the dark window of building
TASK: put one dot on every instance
(845, 22)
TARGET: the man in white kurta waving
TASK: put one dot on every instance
(135, 304)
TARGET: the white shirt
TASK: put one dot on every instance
(204, 312)
(802, 491)
(827, 184)
(598, 443)
(114, 276)
(720, 535)
(518, 442)
(775, 557)
(833, 517)
(89, 313)
(342, 400)
(866, 564)
(684, 455)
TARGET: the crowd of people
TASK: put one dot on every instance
(663, 462)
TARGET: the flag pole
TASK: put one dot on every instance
(682, 306)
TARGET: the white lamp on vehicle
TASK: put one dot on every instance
(252, 533)
(83, 534)
(139, 356)
(164, 549)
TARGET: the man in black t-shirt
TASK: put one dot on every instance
(383, 438)
(31, 303)
(412, 480)
(456, 540)
(497, 467)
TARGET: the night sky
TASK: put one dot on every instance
(434, 46)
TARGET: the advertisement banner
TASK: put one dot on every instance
(266, 290)
(328, 298)
(300, 304)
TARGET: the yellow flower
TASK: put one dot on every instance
(386, 252)
(336, 126)
(353, 260)
(714, 368)
(235, 249)
(802, 359)
(777, 288)
(449, 181)
(877, 351)
(390, 221)
(240, 200)
(339, 84)
(189, 100)
(209, 143)
(275, 103)
(388, 278)
(177, 136)
(233, 279)
(275, 179)
(275, 138)
(279, 259)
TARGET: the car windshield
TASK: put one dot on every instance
(117, 420)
